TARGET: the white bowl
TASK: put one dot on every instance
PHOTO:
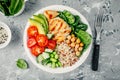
(8, 32)
(58, 70)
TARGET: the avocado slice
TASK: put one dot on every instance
(45, 20)
(38, 25)
(36, 17)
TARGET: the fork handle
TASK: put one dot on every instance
(95, 58)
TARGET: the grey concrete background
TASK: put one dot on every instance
(109, 63)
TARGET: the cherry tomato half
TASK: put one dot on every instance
(31, 42)
(32, 31)
(51, 44)
(36, 50)
(42, 40)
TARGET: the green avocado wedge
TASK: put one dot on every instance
(36, 17)
(45, 20)
(36, 23)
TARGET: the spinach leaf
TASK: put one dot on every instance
(21, 63)
(4, 8)
(19, 6)
(85, 38)
(4, 0)
(81, 26)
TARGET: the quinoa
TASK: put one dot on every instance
(66, 55)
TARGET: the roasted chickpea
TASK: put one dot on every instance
(80, 48)
(78, 41)
(60, 39)
(72, 44)
(76, 49)
(76, 46)
(72, 35)
(81, 44)
(77, 53)
(73, 39)
(68, 37)
(68, 41)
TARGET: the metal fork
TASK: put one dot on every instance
(97, 26)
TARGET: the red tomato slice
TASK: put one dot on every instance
(31, 42)
(42, 40)
(32, 31)
(36, 50)
(51, 44)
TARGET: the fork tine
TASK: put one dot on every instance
(102, 12)
(100, 18)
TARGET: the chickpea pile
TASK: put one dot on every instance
(75, 43)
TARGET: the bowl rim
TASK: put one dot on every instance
(2, 24)
(59, 70)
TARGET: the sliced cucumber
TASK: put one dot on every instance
(49, 64)
(45, 55)
(49, 36)
(45, 61)
(40, 58)
(49, 50)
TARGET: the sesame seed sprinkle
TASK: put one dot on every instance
(3, 35)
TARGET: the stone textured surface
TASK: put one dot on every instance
(109, 64)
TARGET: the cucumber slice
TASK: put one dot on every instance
(45, 61)
(49, 64)
(40, 58)
(45, 55)
(49, 36)
(49, 50)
